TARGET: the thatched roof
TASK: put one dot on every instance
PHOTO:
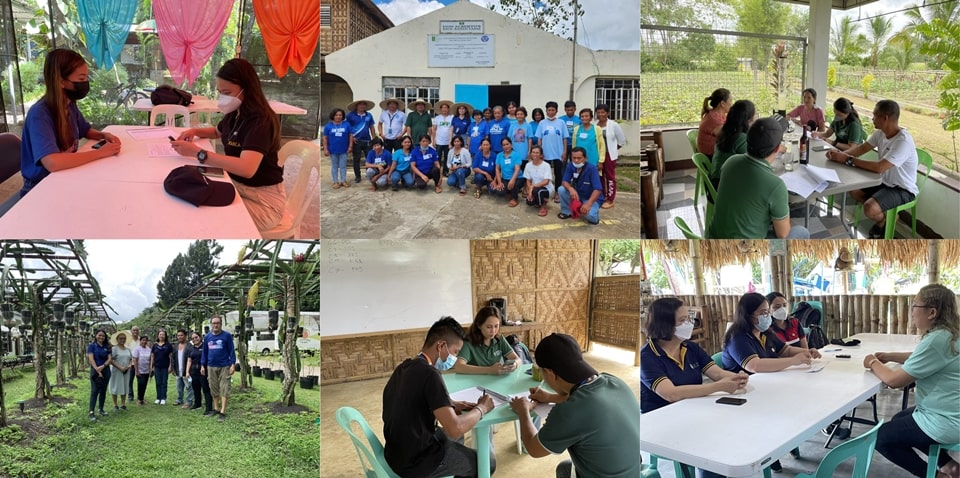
(717, 253)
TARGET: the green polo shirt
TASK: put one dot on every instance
(419, 125)
(720, 156)
(850, 133)
(485, 355)
(750, 197)
(600, 426)
(937, 370)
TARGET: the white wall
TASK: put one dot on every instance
(536, 60)
(938, 208)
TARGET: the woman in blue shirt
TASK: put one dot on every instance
(484, 167)
(507, 181)
(461, 120)
(537, 116)
(425, 163)
(338, 143)
(99, 358)
(476, 132)
(54, 125)
(378, 164)
(751, 346)
(935, 367)
(160, 355)
(521, 133)
(400, 169)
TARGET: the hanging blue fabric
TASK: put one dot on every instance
(106, 24)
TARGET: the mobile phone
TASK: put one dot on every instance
(842, 356)
(100, 144)
(821, 148)
(509, 362)
(210, 171)
(731, 401)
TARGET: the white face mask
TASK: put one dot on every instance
(228, 104)
(578, 165)
(780, 314)
(684, 330)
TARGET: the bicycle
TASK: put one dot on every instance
(126, 94)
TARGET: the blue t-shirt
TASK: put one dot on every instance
(460, 127)
(218, 350)
(161, 355)
(745, 347)
(570, 122)
(337, 136)
(385, 158)
(585, 181)
(535, 125)
(424, 159)
(552, 135)
(402, 160)
(486, 163)
(497, 130)
(507, 165)
(519, 134)
(937, 370)
(100, 353)
(476, 133)
(656, 366)
(587, 139)
(360, 125)
(39, 140)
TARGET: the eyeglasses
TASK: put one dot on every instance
(921, 306)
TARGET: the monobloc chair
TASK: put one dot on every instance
(935, 454)
(170, 113)
(303, 189)
(703, 169)
(718, 358)
(684, 228)
(698, 187)
(370, 453)
(860, 448)
(925, 159)
(9, 165)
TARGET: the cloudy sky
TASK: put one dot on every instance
(605, 25)
(128, 271)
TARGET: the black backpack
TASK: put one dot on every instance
(168, 95)
(807, 314)
(817, 338)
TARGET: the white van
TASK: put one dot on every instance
(264, 339)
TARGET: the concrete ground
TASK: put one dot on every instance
(358, 213)
(339, 460)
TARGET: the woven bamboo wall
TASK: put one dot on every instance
(547, 282)
(616, 311)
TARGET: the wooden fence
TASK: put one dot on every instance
(615, 312)
(843, 315)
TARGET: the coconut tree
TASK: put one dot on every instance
(846, 42)
(944, 41)
(878, 33)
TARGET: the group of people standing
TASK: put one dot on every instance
(536, 157)
(752, 200)
(202, 367)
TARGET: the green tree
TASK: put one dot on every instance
(903, 49)
(878, 32)
(946, 11)
(760, 16)
(943, 40)
(846, 43)
(187, 271)
(554, 16)
(614, 252)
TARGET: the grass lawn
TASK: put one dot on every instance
(153, 441)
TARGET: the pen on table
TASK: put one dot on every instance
(832, 350)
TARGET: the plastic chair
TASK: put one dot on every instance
(9, 166)
(718, 358)
(860, 448)
(698, 187)
(170, 113)
(703, 171)
(648, 471)
(302, 192)
(684, 228)
(935, 454)
(371, 454)
(692, 137)
(925, 159)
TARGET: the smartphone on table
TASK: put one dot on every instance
(731, 401)
(100, 144)
(210, 171)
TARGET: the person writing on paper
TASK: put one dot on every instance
(54, 125)
(808, 114)
(786, 328)
(250, 133)
(749, 345)
(595, 417)
(897, 166)
(846, 124)
(486, 352)
(415, 399)
(935, 367)
(671, 366)
(752, 202)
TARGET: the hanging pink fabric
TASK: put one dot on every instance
(290, 30)
(189, 31)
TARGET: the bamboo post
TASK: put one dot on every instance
(788, 267)
(696, 262)
(901, 317)
(933, 261)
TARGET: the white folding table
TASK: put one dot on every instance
(206, 105)
(121, 197)
(740, 441)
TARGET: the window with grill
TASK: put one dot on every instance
(324, 15)
(410, 89)
(621, 95)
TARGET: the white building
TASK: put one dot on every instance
(501, 59)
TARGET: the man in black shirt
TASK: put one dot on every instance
(415, 399)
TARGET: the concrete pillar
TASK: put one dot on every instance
(818, 49)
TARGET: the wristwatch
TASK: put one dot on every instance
(202, 156)
(849, 162)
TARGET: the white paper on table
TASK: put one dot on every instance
(472, 395)
(541, 409)
(815, 366)
(823, 174)
(800, 183)
(159, 150)
(141, 134)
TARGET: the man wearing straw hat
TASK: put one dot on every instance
(442, 132)
(419, 122)
(394, 119)
(361, 125)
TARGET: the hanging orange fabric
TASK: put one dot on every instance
(290, 30)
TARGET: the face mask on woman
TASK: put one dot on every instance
(764, 322)
(79, 91)
(780, 314)
(684, 330)
(228, 104)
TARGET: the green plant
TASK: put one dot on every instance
(865, 83)
(831, 77)
(943, 39)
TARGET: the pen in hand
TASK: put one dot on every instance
(536, 389)
(171, 138)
